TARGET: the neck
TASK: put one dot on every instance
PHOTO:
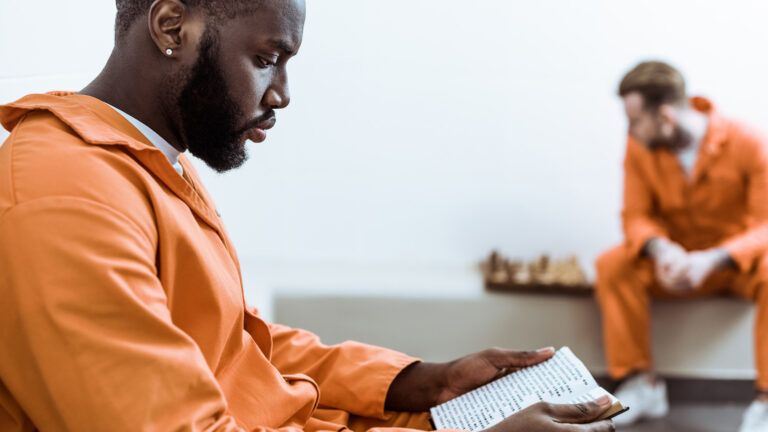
(135, 91)
(696, 124)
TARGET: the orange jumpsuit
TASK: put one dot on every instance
(122, 305)
(724, 203)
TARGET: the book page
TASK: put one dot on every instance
(561, 379)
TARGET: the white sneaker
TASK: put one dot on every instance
(645, 399)
(755, 418)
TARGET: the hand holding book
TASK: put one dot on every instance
(423, 385)
(530, 395)
(546, 417)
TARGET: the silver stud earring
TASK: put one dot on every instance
(169, 52)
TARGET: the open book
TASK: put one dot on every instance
(563, 379)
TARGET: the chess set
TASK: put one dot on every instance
(542, 275)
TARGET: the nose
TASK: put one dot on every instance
(278, 96)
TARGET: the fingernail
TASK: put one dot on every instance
(547, 350)
(603, 400)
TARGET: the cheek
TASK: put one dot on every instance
(247, 85)
(667, 131)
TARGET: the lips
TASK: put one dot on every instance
(259, 132)
(267, 124)
(256, 135)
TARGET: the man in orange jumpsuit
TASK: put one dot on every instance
(122, 303)
(694, 216)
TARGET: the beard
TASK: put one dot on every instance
(680, 139)
(207, 115)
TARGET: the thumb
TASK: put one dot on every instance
(508, 359)
(585, 412)
(519, 359)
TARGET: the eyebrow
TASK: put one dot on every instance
(282, 45)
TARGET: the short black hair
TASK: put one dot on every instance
(128, 11)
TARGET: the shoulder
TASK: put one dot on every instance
(747, 145)
(45, 158)
(745, 135)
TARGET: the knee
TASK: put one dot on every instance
(609, 264)
(761, 268)
(618, 270)
(757, 288)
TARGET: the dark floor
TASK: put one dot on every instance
(695, 417)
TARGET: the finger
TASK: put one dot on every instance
(503, 359)
(679, 269)
(681, 279)
(601, 426)
(695, 284)
(679, 284)
(581, 412)
(693, 280)
(666, 281)
(668, 270)
(685, 282)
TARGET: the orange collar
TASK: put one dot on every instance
(98, 124)
(716, 134)
(93, 120)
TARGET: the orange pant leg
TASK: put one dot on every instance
(754, 287)
(623, 288)
(761, 338)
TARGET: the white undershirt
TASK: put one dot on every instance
(688, 156)
(164, 146)
(697, 124)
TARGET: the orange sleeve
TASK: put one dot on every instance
(745, 248)
(638, 213)
(88, 341)
(352, 376)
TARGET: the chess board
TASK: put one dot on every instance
(543, 275)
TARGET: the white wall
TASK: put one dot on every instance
(424, 133)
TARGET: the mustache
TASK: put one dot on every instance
(257, 121)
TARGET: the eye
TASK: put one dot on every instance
(264, 62)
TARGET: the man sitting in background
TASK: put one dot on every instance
(695, 221)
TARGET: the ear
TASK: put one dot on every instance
(166, 21)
